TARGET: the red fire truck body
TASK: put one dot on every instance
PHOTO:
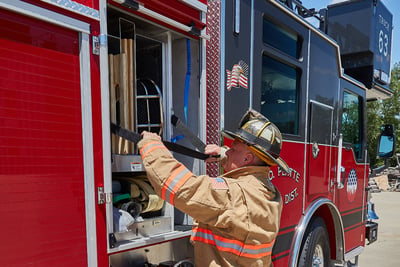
(313, 83)
(76, 195)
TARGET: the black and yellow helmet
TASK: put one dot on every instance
(262, 137)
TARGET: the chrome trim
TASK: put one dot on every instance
(251, 55)
(322, 104)
(151, 240)
(222, 62)
(339, 163)
(45, 15)
(353, 253)
(203, 98)
(304, 222)
(75, 7)
(236, 28)
(306, 120)
(105, 121)
(167, 83)
(88, 159)
(196, 4)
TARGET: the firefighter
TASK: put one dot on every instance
(237, 214)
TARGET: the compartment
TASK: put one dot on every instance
(363, 30)
(153, 73)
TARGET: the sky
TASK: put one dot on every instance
(392, 5)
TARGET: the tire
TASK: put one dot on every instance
(315, 249)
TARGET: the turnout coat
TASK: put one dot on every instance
(237, 215)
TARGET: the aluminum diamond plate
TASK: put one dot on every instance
(213, 68)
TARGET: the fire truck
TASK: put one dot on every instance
(74, 191)
(313, 83)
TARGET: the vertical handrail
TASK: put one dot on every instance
(339, 163)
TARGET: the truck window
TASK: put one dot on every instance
(352, 122)
(282, 39)
(279, 94)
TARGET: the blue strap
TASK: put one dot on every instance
(176, 138)
(187, 87)
(187, 81)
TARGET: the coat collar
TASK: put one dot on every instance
(253, 170)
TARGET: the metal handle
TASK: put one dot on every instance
(339, 168)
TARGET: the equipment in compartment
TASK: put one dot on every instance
(143, 52)
(136, 191)
(137, 209)
(122, 91)
(135, 75)
(149, 107)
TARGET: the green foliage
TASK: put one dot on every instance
(374, 121)
(384, 112)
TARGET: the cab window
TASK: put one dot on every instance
(282, 39)
(280, 94)
(352, 122)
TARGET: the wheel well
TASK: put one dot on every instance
(335, 231)
(325, 209)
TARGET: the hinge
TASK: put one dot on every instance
(102, 197)
(95, 45)
(129, 3)
(193, 30)
(112, 240)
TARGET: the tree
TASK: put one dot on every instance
(374, 121)
(384, 112)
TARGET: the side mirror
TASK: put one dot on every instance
(386, 142)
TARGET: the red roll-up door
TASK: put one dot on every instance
(42, 194)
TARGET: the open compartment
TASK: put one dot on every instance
(153, 73)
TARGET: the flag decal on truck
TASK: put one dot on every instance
(238, 76)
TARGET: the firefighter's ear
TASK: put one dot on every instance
(248, 158)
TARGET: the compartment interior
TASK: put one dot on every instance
(149, 70)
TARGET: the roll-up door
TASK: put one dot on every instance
(42, 167)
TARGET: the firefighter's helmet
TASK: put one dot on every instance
(262, 137)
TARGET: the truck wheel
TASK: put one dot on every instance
(315, 250)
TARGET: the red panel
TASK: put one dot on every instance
(176, 10)
(41, 154)
(173, 9)
(351, 200)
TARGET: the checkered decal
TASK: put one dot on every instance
(352, 185)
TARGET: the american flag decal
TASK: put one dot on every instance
(219, 183)
(238, 76)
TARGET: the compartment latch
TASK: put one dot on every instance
(98, 41)
(102, 197)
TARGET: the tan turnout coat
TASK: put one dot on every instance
(237, 214)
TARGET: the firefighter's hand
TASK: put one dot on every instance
(149, 135)
(214, 151)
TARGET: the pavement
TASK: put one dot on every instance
(385, 251)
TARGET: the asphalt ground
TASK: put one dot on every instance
(385, 252)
